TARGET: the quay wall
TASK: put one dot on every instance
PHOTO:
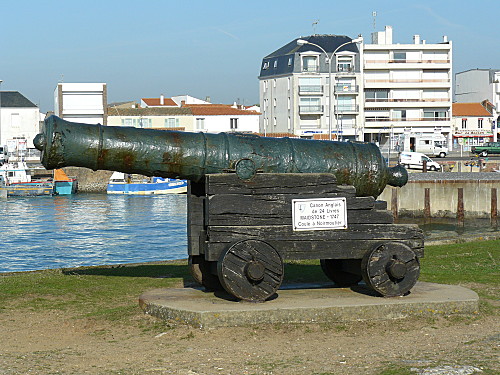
(446, 195)
(89, 181)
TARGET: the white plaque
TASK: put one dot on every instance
(319, 214)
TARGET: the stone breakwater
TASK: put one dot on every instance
(89, 181)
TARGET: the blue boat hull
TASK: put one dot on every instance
(148, 188)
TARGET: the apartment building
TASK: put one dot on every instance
(81, 102)
(312, 86)
(380, 92)
(407, 89)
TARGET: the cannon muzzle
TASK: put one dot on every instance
(191, 156)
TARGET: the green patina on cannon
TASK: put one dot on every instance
(191, 156)
(245, 199)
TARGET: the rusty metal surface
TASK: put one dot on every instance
(192, 155)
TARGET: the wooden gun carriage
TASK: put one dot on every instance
(241, 231)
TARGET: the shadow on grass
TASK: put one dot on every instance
(143, 270)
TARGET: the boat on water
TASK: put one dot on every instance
(63, 184)
(16, 180)
(121, 183)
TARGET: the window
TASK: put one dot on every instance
(145, 123)
(172, 122)
(436, 115)
(275, 64)
(479, 123)
(464, 123)
(310, 63)
(200, 124)
(399, 114)
(344, 64)
(376, 95)
(310, 105)
(265, 66)
(137, 122)
(233, 123)
(399, 56)
(290, 61)
(274, 102)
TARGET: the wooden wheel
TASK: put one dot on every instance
(341, 271)
(391, 269)
(251, 270)
(201, 271)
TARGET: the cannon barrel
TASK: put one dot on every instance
(191, 156)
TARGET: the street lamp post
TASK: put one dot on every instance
(328, 60)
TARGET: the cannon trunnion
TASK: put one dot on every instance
(240, 232)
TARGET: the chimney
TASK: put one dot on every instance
(416, 39)
(445, 39)
(162, 99)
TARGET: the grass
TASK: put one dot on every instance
(111, 292)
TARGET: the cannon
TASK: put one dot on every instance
(254, 202)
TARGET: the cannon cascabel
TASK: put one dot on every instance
(191, 156)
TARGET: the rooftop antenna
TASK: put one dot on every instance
(374, 15)
(315, 22)
(62, 78)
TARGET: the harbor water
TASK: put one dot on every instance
(97, 229)
(90, 229)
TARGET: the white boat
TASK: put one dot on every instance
(16, 181)
(121, 183)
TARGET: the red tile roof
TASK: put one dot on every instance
(217, 110)
(469, 109)
(155, 102)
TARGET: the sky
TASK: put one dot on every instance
(143, 49)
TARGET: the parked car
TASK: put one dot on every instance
(415, 160)
(486, 149)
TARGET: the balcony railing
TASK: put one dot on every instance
(310, 89)
(310, 109)
(407, 61)
(310, 69)
(339, 89)
(346, 108)
(386, 118)
(385, 100)
(407, 81)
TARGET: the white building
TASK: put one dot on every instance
(81, 102)
(184, 113)
(379, 90)
(407, 88)
(19, 120)
(472, 124)
(477, 85)
(295, 91)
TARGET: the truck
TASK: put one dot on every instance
(486, 149)
(429, 144)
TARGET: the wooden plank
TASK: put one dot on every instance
(269, 218)
(276, 183)
(318, 249)
(279, 203)
(195, 222)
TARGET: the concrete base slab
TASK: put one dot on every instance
(305, 304)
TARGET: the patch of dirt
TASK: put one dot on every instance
(50, 342)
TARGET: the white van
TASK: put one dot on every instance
(415, 160)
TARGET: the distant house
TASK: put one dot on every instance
(81, 102)
(473, 124)
(19, 119)
(172, 118)
(216, 118)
